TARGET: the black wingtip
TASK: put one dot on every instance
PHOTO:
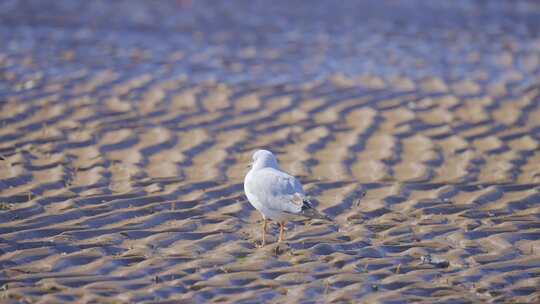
(309, 211)
(306, 205)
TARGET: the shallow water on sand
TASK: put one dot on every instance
(126, 128)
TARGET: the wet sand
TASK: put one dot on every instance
(126, 129)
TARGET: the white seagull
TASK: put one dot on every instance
(277, 195)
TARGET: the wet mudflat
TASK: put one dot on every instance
(126, 128)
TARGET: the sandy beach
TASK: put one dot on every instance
(126, 128)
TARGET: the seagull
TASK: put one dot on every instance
(277, 195)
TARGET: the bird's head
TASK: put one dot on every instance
(263, 159)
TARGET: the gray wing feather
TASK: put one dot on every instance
(277, 190)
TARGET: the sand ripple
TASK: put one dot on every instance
(122, 152)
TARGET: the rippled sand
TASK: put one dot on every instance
(126, 131)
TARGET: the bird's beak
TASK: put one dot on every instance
(249, 165)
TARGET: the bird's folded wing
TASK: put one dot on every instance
(277, 190)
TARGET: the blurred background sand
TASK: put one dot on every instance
(126, 128)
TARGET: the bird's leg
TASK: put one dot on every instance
(264, 232)
(281, 232)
